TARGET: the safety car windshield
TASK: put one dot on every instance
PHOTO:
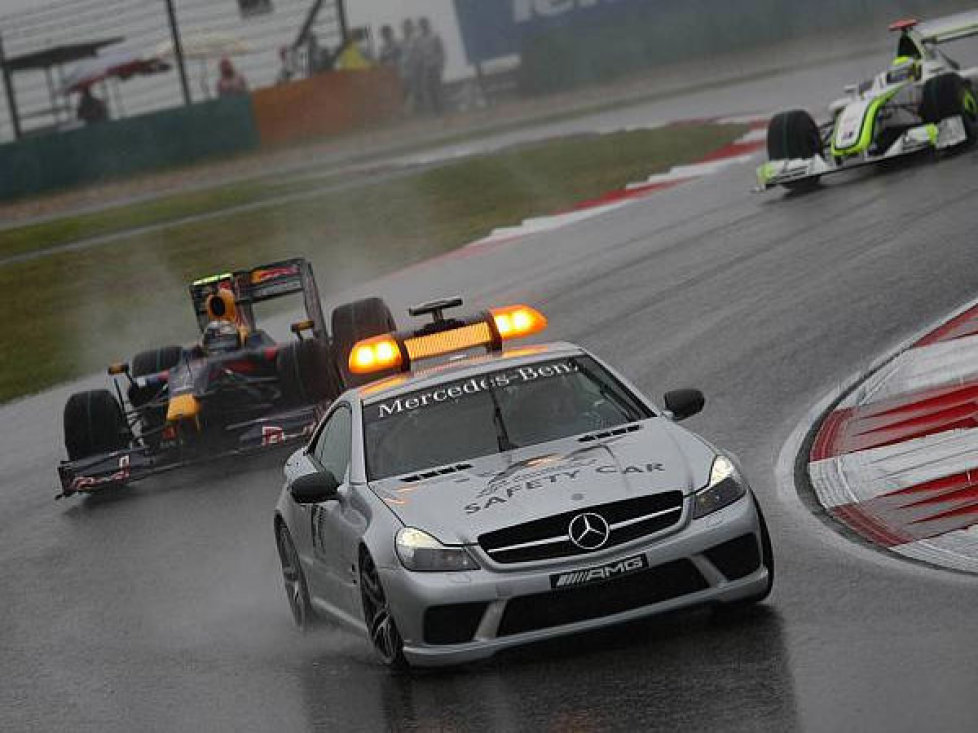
(492, 413)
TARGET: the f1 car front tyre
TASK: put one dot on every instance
(304, 372)
(792, 135)
(353, 322)
(948, 95)
(296, 589)
(384, 636)
(152, 416)
(94, 424)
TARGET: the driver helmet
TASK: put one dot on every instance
(903, 68)
(220, 337)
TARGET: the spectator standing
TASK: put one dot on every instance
(351, 56)
(287, 71)
(231, 82)
(318, 58)
(390, 49)
(91, 109)
(412, 66)
(432, 53)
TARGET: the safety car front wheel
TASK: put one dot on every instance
(384, 636)
(296, 588)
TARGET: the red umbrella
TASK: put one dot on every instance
(119, 64)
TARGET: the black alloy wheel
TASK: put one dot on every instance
(384, 636)
(295, 581)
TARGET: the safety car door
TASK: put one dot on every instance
(336, 525)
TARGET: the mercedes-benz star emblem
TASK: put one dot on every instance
(588, 531)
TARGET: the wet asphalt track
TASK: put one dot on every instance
(160, 607)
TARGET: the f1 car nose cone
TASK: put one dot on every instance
(588, 531)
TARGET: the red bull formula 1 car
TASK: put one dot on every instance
(235, 391)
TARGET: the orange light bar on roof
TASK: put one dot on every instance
(518, 321)
(375, 355)
(447, 342)
(488, 329)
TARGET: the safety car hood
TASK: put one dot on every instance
(499, 491)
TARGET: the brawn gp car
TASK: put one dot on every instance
(924, 101)
(497, 497)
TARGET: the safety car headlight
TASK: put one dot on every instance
(724, 489)
(420, 551)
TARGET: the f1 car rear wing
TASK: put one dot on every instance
(952, 28)
(275, 280)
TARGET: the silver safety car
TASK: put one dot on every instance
(475, 497)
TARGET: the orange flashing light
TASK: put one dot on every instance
(518, 321)
(376, 354)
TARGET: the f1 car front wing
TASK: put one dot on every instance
(947, 134)
(89, 475)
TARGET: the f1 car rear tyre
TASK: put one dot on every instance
(384, 636)
(353, 322)
(143, 364)
(792, 135)
(948, 95)
(155, 361)
(94, 423)
(296, 588)
(304, 372)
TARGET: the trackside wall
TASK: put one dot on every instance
(570, 42)
(328, 104)
(128, 146)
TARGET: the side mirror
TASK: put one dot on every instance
(315, 488)
(683, 403)
(851, 89)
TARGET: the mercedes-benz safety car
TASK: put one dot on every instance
(476, 498)
(234, 391)
(923, 102)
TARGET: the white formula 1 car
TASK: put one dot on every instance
(924, 101)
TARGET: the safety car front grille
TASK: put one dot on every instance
(549, 538)
(559, 607)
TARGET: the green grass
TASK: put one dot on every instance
(69, 314)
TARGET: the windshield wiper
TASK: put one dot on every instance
(502, 436)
